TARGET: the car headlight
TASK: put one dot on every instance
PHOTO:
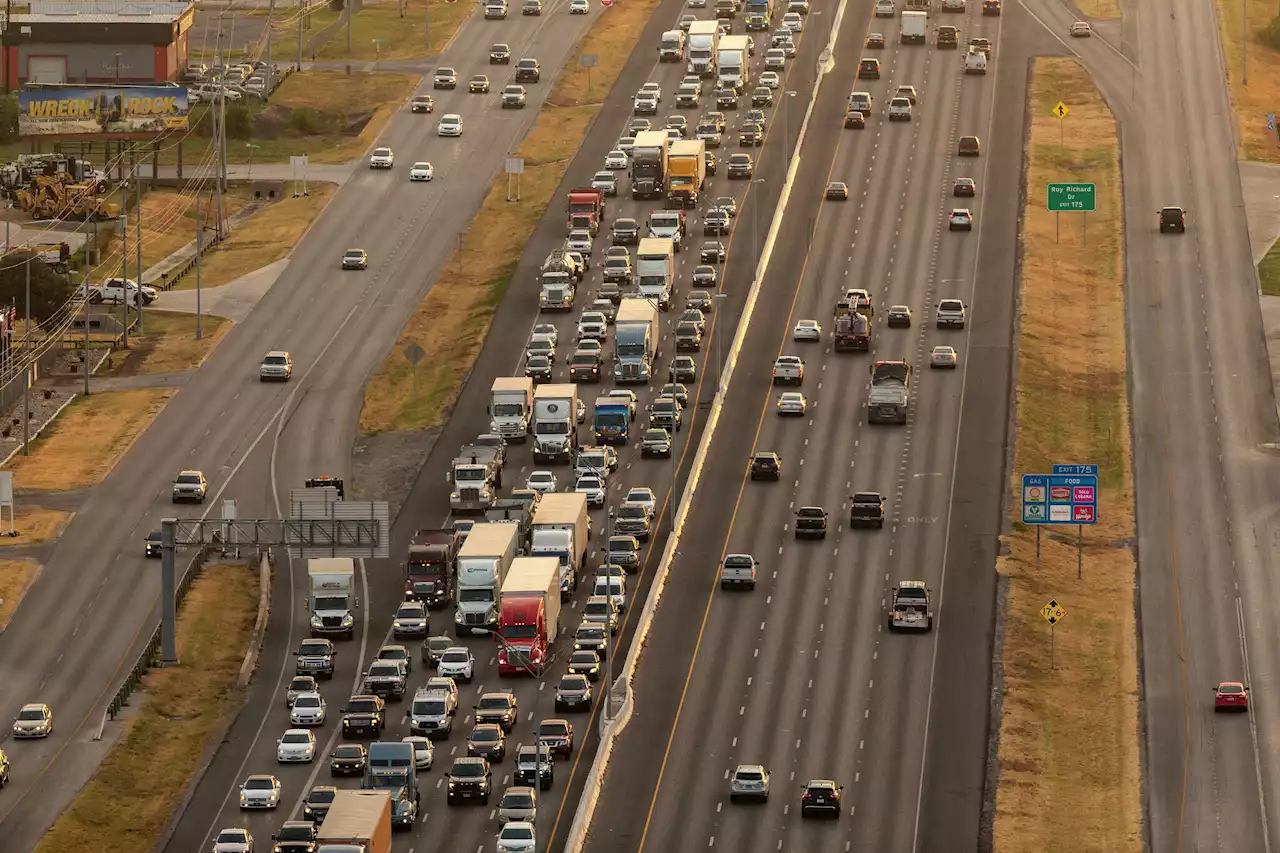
(348, 621)
(317, 622)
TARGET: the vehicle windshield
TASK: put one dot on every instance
(296, 737)
(348, 751)
(314, 649)
(275, 359)
(363, 706)
(454, 657)
(321, 796)
(516, 801)
(258, 785)
(1231, 688)
(520, 632)
(750, 775)
(473, 594)
(231, 836)
(632, 512)
(409, 612)
(469, 770)
(583, 657)
(486, 735)
(590, 633)
(428, 707)
(493, 703)
(575, 682)
(190, 479)
(517, 833)
(30, 715)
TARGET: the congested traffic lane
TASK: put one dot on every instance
(814, 688)
(429, 503)
(337, 325)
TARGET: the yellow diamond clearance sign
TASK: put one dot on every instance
(1053, 612)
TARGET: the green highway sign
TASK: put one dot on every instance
(1072, 197)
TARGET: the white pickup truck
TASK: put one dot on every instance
(788, 369)
(739, 570)
(118, 291)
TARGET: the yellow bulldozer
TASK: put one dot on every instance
(57, 196)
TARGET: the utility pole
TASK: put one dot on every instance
(199, 246)
(300, 20)
(347, 7)
(137, 185)
(219, 136)
(26, 385)
(426, 25)
(87, 267)
(124, 258)
(266, 92)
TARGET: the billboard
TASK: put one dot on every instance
(104, 110)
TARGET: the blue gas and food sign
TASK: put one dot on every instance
(1067, 496)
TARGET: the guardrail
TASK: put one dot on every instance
(150, 654)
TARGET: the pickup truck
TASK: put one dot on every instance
(909, 607)
(811, 521)
(788, 369)
(118, 291)
(386, 679)
(866, 509)
(738, 570)
(633, 519)
(315, 657)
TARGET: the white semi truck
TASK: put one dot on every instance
(483, 564)
(555, 422)
(562, 529)
(704, 41)
(635, 334)
(733, 63)
(333, 601)
(511, 407)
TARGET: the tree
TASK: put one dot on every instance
(49, 290)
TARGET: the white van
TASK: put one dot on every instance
(975, 62)
(885, 9)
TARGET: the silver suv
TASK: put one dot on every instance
(190, 486)
(277, 365)
(432, 713)
(749, 781)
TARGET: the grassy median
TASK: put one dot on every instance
(1069, 742)
(91, 435)
(168, 344)
(130, 801)
(16, 577)
(451, 323)
(1258, 20)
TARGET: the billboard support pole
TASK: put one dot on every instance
(124, 258)
(300, 18)
(87, 267)
(199, 247)
(347, 5)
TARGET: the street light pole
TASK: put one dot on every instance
(608, 651)
(786, 124)
(755, 217)
(715, 320)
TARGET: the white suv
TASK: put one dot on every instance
(885, 9)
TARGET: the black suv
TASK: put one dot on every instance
(470, 779)
(498, 707)
(316, 805)
(534, 767)
(295, 836)
(688, 338)
(528, 71)
(715, 223)
(766, 466)
(348, 759)
(364, 715)
(1173, 219)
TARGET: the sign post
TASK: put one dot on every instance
(1061, 111)
(588, 61)
(515, 168)
(1053, 613)
(413, 354)
(1067, 496)
(1073, 198)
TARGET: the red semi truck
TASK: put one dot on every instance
(530, 616)
(586, 209)
(429, 568)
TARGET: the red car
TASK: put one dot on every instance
(1231, 696)
(875, 40)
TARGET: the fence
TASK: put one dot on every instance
(151, 651)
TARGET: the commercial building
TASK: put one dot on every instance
(57, 43)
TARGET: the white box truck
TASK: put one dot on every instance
(733, 63)
(914, 27)
(511, 407)
(555, 422)
(562, 529)
(483, 563)
(656, 270)
(704, 41)
(530, 615)
(333, 601)
(635, 335)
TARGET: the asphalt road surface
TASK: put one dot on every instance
(250, 745)
(1205, 431)
(800, 674)
(83, 622)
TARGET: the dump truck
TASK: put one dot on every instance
(476, 476)
(635, 334)
(585, 209)
(890, 392)
(649, 164)
(332, 601)
(687, 163)
(357, 822)
(530, 615)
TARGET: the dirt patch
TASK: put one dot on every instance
(1069, 734)
(451, 323)
(168, 344)
(16, 577)
(35, 525)
(1100, 10)
(1251, 104)
(384, 467)
(265, 238)
(86, 441)
(130, 801)
(400, 37)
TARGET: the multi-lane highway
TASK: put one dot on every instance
(83, 622)
(251, 743)
(799, 675)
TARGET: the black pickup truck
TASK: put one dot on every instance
(364, 715)
(811, 521)
(866, 509)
